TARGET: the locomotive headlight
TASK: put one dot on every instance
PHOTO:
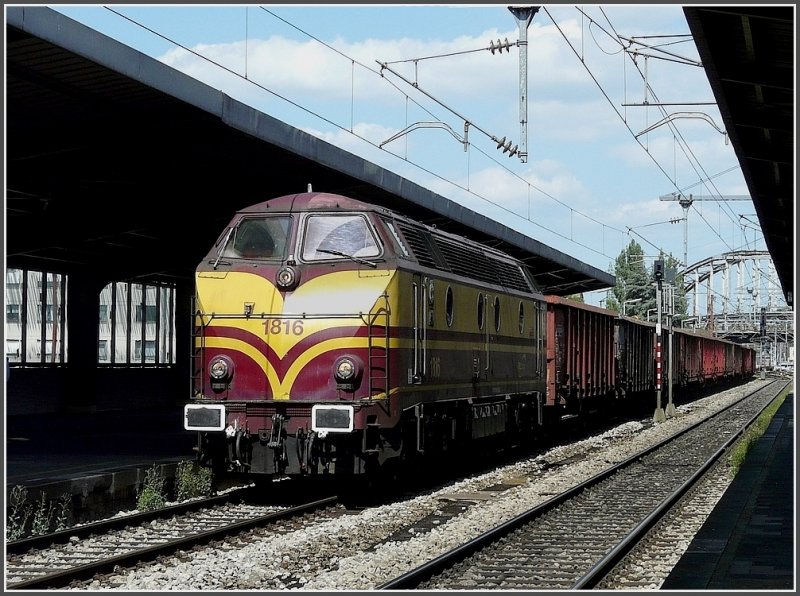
(347, 372)
(220, 368)
(345, 369)
(286, 278)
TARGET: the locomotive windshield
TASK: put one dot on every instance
(338, 236)
(258, 238)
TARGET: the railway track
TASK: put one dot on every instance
(81, 553)
(372, 545)
(23, 545)
(573, 540)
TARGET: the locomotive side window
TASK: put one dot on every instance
(521, 318)
(448, 306)
(338, 236)
(480, 311)
(258, 238)
(497, 313)
(398, 242)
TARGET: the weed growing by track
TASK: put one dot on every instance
(43, 517)
(751, 437)
(152, 493)
(192, 480)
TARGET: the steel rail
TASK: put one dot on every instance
(603, 567)
(82, 572)
(24, 545)
(424, 572)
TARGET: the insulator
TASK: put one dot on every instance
(500, 46)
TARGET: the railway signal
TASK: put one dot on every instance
(658, 270)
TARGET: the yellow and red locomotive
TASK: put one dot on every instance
(333, 336)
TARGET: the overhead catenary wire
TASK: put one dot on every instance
(684, 146)
(331, 122)
(345, 129)
(705, 178)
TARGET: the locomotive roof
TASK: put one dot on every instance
(310, 201)
(323, 201)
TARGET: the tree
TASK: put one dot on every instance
(633, 283)
(635, 290)
(576, 297)
(681, 304)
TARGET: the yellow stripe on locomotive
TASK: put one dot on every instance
(246, 316)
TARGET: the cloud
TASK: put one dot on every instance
(580, 135)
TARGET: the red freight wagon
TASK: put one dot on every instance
(732, 360)
(635, 347)
(687, 358)
(580, 355)
(713, 358)
(748, 362)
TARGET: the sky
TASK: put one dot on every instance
(619, 110)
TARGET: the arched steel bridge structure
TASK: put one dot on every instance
(731, 293)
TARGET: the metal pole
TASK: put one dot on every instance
(685, 203)
(775, 350)
(670, 313)
(658, 415)
(524, 16)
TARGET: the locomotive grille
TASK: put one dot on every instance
(511, 276)
(419, 245)
(463, 259)
(473, 263)
(467, 261)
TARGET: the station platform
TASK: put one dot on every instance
(748, 541)
(98, 458)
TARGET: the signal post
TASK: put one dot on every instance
(658, 274)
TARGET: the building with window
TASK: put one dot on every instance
(135, 325)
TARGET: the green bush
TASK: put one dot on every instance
(192, 480)
(152, 493)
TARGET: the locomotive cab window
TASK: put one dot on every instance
(497, 313)
(258, 238)
(338, 237)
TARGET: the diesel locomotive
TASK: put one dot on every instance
(334, 337)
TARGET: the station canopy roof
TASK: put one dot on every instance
(121, 166)
(748, 53)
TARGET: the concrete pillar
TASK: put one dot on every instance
(83, 305)
(184, 323)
